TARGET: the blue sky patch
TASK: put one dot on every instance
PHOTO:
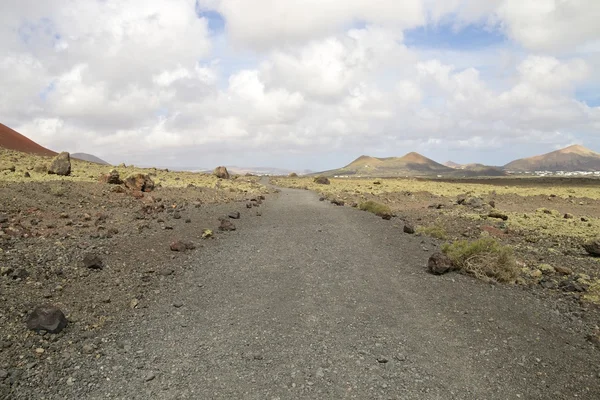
(216, 21)
(447, 36)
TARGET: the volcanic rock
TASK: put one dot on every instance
(61, 164)
(221, 172)
(48, 318)
(139, 183)
(439, 264)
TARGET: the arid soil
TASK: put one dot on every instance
(46, 230)
(304, 300)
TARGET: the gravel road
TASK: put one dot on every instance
(314, 301)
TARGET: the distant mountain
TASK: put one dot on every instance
(13, 140)
(569, 159)
(412, 164)
(261, 171)
(88, 157)
(452, 164)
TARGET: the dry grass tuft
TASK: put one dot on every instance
(485, 259)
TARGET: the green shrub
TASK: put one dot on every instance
(435, 231)
(378, 209)
(484, 258)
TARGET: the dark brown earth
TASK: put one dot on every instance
(308, 301)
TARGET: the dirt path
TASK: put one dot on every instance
(315, 301)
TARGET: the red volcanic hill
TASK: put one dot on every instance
(13, 140)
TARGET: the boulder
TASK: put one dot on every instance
(226, 226)
(61, 164)
(593, 247)
(499, 215)
(322, 180)
(234, 215)
(92, 261)
(181, 245)
(139, 183)
(112, 178)
(408, 228)
(439, 264)
(47, 318)
(221, 172)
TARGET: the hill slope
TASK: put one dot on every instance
(412, 164)
(569, 159)
(88, 157)
(13, 140)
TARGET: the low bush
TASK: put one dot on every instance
(435, 231)
(378, 209)
(484, 258)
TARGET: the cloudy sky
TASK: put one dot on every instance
(301, 84)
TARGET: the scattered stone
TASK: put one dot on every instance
(474, 202)
(221, 173)
(499, 215)
(112, 178)
(492, 203)
(337, 202)
(10, 168)
(382, 360)
(439, 264)
(48, 318)
(547, 269)
(436, 206)
(572, 286)
(258, 214)
(181, 245)
(178, 304)
(207, 233)
(568, 216)
(563, 270)
(92, 261)
(322, 198)
(139, 183)
(134, 303)
(536, 274)
(234, 215)
(149, 376)
(176, 215)
(188, 221)
(584, 219)
(61, 164)
(166, 271)
(249, 205)
(226, 226)
(26, 175)
(322, 180)
(593, 247)
(408, 228)
(117, 189)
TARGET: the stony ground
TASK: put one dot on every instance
(308, 300)
(46, 230)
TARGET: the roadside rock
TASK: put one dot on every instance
(337, 202)
(499, 215)
(221, 172)
(92, 261)
(234, 215)
(48, 318)
(563, 270)
(439, 264)
(61, 164)
(408, 228)
(322, 180)
(139, 183)
(112, 178)
(181, 245)
(226, 226)
(593, 247)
